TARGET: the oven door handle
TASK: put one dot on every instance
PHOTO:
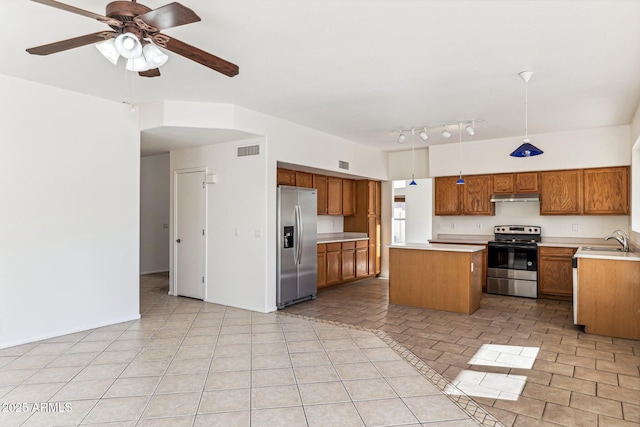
(512, 246)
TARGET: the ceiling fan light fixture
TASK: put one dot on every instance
(128, 45)
(154, 56)
(108, 49)
(137, 64)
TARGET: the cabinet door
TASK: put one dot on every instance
(286, 177)
(334, 196)
(561, 192)
(348, 197)
(362, 258)
(606, 191)
(304, 179)
(322, 265)
(334, 264)
(320, 184)
(504, 183)
(477, 195)
(447, 196)
(527, 182)
(555, 274)
(371, 198)
(348, 264)
(378, 200)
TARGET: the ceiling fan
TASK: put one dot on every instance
(134, 35)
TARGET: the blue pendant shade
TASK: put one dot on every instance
(526, 150)
(460, 181)
(413, 182)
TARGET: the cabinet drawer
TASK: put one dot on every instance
(362, 243)
(348, 245)
(334, 247)
(322, 248)
(556, 251)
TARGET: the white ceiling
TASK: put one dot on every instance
(359, 69)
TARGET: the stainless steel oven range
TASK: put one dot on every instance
(513, 261)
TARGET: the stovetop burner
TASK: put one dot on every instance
(518, 234)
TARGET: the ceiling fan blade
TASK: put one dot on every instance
(73, 9)
(60, 46)
(171, 15)
(195, 54)
(154, 72)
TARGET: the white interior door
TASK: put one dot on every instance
(189, 264)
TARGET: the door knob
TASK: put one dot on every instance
(178, 240)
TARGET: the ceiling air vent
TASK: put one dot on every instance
(343, 165)
(249, 150)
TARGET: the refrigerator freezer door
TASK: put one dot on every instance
(287, 248)
(308, 264)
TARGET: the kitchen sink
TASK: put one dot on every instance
(601, 248)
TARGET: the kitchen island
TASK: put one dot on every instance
(436, 276)
(607, 301)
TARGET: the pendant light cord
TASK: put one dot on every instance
(526, 111)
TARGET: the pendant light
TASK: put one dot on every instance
(460, 181)
(413, 164)
(526, 149)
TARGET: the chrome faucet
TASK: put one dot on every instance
(621, 237)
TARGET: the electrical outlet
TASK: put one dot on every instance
(453, 225)
(479, 226)
(236, 231)
(574, 227)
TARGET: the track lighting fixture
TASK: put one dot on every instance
(468, 125)
(423, 135)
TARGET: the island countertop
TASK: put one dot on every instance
(437, 247)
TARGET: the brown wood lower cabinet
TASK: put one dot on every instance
(322, 266)
(342, 262)
(348, 261)
(362, 258)
(555, 274)
(334, 263)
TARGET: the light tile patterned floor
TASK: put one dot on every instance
(521, 359)
(189, 363)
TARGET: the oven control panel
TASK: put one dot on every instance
(516, 229)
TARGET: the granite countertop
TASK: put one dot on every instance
(437, 247)
(340, 237)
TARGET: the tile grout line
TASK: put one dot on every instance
(474, 410)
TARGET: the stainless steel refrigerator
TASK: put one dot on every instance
(297, 245)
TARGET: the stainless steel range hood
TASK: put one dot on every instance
(515, 197)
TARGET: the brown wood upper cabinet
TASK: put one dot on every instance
(476, 195)
(320, 184)
(561, 192)
(606, 191)
(286, 177)
(334, 195)
(471, 198)
(516, 183)
(447, 196)
(304, 179)
(348, 197)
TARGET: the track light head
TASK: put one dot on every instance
(401, 138)
(470, 129)
(446, 134)
(423, 135)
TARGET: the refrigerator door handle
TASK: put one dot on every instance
(296, 241)
(300, 234)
